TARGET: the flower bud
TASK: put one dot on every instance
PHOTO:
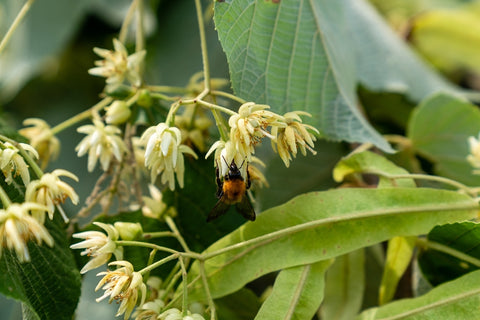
(128, 230)
(145, 99)
(117, 113)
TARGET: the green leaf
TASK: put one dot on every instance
(290, 55)
(369, 162)
(345, 285)
(439, 267)
(453, 300)
(49, 285)
(443, 138)
(449, 38)
(383, 61)
(312, 227)
(399, 255)
(297, 293)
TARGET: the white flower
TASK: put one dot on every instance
(17, 228)
(474, 157)
(102, 142)
(122, 284)
(164, 154)
(153, 207)
(50, 191)
(98, 245)
(249, 126)
(294, 134)
(118, 65)
(225, 153)
(12, 162)
(42, 139)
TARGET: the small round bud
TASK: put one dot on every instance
(128, 230)
(145, 99)
(117, 113)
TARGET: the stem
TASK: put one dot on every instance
(122, 36)
(133, 99)
(216, 107)
(161, 96)
(222, 128)
(81, 116)
(172, 279)
(207, 290)
(228, 95)
(150, 261)
(159, 234)
(203, 44)
(15, 24)
(146, 245)
(167, 89)
(159, 263)
(185, 288)
(453, 183)
(139, 36)
(192, 255)
(4, 198)
(421, 242)
(171, 224)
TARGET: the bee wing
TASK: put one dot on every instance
(219, 209)
(245, 208)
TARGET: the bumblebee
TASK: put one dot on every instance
(232, 189)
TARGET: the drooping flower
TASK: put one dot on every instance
(292, 136)
(18, 227)
(50, 191)
(123, 285)
(164, 154)
(12, 162)
(153, 206)
(42, 139)
(98, 245)
(102, 143)
(249, 126)
(118, 65)
(225, 153)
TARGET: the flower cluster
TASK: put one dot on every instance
(103, 142)
(24, 222)
(50, 191)
(250, 125)
(118, 65)
(18, 227)
(42, 139)
(123, 285)
(11, 162)
(98, 245)
(164, 153)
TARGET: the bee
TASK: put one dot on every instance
(232, 189)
